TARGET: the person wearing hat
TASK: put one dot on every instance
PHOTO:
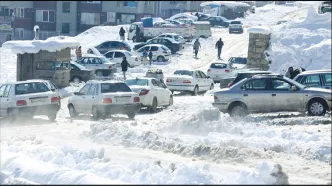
(124, 67)
(219, 46)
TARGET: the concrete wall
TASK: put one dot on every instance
(14, 4)
(70, 18)
(258, 43)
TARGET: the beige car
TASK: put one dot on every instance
(272, 93)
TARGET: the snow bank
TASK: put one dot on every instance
(230, 4)
(260, 30)
(314, 20)
(52, 44)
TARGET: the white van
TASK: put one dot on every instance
(202, 29)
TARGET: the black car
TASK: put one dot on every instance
(111, 45)
(174, 46)
(79, 73)
(243, 75)
(218, 21)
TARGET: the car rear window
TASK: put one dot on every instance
(236, 22)
(164, 48)
(29, 88)
(183, 72)
(218, 65)
(140, 82)
(114, 87)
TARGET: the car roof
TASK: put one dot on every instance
(27, 81)
(118, 51)
(254, 72)
(267, 75)
(104, 81)
(158, 45)
(174, 34)
(317, 71)
(37, 80)
(92, 55)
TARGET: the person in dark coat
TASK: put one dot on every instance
(150, 56)
(124, 66)
(122, 34)
(219, 46)
(197, 46)
(290, 73)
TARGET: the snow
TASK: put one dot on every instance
(260, 29)
(226, 3)
(190, 142)
(52, 44)
(187, 15)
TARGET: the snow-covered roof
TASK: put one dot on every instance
(260, 30)
(52, 44)
(225, 3)
(187, 15)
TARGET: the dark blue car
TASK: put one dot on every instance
(218, 21)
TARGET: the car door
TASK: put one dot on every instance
(311, 81)
(118, 56)
(4, 99)
(109, 55)
(254, 93)
(163, 92)
(156, 90)
(199, 80)
(283, 98)
(90, 97)
(154, 50)
(79, 100)
(327, 81)
(206, 81)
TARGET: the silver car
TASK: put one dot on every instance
(316, 78)
(272, 93)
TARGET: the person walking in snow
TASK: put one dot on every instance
(150, 57)
(197, 46)
(124, 66)
(122, 34)
(78, 52)
(219, 46)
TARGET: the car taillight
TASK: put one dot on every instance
(209, 70)
(136, 99)
(165, 52)
(107, 100)
(144, 92)
(21, 103)
(168, 80)
(54, 99)
(110, 67)
(186, 81)
(226, 70)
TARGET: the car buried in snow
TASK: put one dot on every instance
(271, 93)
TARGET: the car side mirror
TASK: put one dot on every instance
(293, 88)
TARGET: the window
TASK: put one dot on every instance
(147, 3)
(91, 2)
(92, 90)
(139, 82)
(130, 4)
(90, 18)
(255, 84)
(29, 88)
(19, 32)
(311, 80)
(65, 7)
(105, 45)
(198, 75)
(202, 74)
(19, 12)
(183, 72)
(85, 89)
(327, 79)
(154, 48)
(154, 83)
(45, 65)
(7, 90)
(2, 90)
(118, 55)
(45, 16)
(65, 28)
(218, 65)
(74, 67)
(9, 12)
(114, 87)
(111, 17)
(128, 18)
(109, 55)
(278, 84)
(172, 2)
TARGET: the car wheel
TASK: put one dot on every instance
(76, 79)
(95, 113)
(211, 87)
(316, 107)
(72, 111)
(153, 108)
(99, 73)
(238, 110)
(195, 92)
(12, 117)
(52, 116)
(160, 58)
(131, 115)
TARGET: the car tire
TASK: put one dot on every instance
(12, 116)
(153, 107)
(72, 111)
(95, 113)
(99, 73)
(52, 116)
(77, 79)
(131, 115)
(195, 92)
(238, 110)
(160, 59)
(211, 87)
(317, 107)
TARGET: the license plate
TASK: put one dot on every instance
(37, 100)
(122, 99)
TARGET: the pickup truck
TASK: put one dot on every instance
(150, 32)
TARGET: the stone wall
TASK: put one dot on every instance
(258, 43)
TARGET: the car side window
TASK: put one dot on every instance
(2, 90)
(168, 36)
(154, 48)
(154, 83)
(327, 79)
(255, 84)
(109, 55)
(118, 55)
(311, 80)
(105, 45)
(155, 41)
(299, 79)
(197, 74)
(85, 89)
(53, 86)
(202, 74)
(92, 89)
(278, 84)
(7, 90)
(162, 84)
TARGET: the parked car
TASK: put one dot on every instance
(271, 93)
(116, 56)
(218, 21)
(79, 73)
(174, 36)
(235, 26)
(137, 46)
(100, 64)
(152, 92)
(238, 62)
(173, 45)
(176, 23)
(316, 78)
(159, 52)
(164, 24)
(28, 99)
(101, 98)
(189, 81)
(219, 70)
(187, 22)
(242, 75)
(111, 45)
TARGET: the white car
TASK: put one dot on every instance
(116, 56)
(50, 85)
(101, 98)
(101, 65)
(173, 36)
(160, 52)
(28, 99)
(219, 70)
(152, 92)
(189, 81)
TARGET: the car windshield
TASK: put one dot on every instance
(295, 83)
(114, 87)
(183, 72)
(236, 22)
(218, 65)
(238, 60)
(129, 54)
(140, 82)
(105, 60)
(29, 88)
(164, 48)
(176, 37)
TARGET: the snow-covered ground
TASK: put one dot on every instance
(189, 142)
